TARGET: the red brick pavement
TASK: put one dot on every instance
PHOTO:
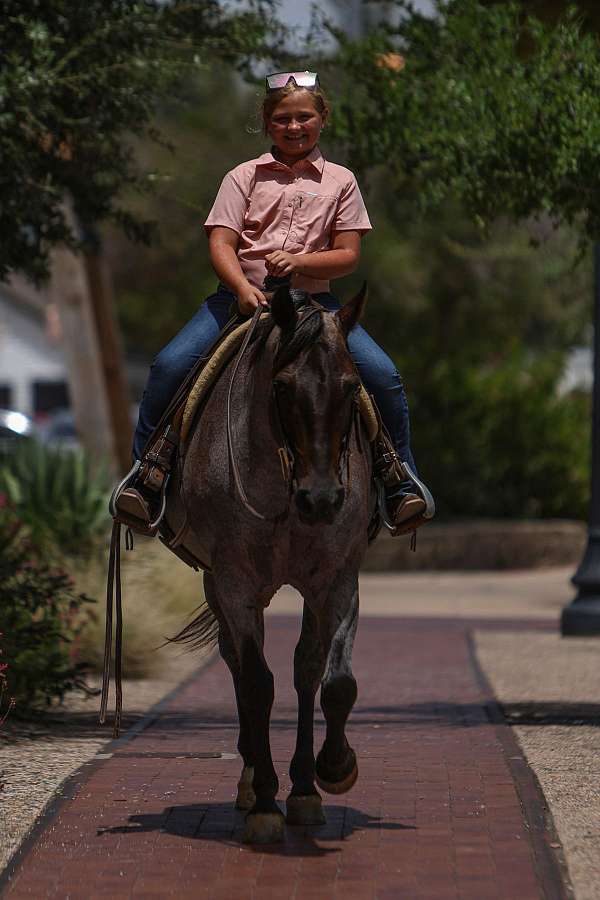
(444, 807)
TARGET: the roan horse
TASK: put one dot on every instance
(277, 487)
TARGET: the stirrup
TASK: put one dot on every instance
(121, 487)
(147, 528)
(422, 490)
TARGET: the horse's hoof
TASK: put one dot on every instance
(264, 828)
(326, 776)
(304, 810)
(246, 798)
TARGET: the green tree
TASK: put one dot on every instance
(470, 117)
(77, 80)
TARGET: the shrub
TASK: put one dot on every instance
(502, 441)
(59, 497)
(41, 617)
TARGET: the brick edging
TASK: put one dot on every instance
(77, 779)
(550, 863)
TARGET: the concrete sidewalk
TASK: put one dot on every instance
(529, 594)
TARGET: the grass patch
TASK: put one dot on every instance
(159, 595)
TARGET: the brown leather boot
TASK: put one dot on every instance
(139, 500)
(406, 511)
(137, 511)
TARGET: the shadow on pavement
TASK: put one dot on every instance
(222, 823)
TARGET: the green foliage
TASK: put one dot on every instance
(503, 441)
(77, 81)
(470, 117)
(59, 497)
(41, 617)
(439, 289)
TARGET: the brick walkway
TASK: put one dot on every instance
(444, 807)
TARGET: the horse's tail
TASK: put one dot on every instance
(202, 633)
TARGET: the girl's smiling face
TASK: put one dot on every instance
(295, 125)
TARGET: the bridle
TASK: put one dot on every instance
(287, 457)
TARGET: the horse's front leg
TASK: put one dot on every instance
(245, 793)
(264, 822)
(336, 767)
(304, 801)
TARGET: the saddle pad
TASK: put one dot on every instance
(221, 357)
(209, 373)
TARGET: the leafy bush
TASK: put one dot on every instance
(58, 496)
(502, 441)
(41, 617)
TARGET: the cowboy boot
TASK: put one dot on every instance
(139, 500)
(408, 502)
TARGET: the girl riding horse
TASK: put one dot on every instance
(291, 214)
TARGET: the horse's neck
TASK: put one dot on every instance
(253, 423)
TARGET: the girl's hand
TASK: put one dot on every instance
(249, 298)
(279, 262)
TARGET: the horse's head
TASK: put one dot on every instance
(315, 384)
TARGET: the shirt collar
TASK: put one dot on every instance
(315, 159)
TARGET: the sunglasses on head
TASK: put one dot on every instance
(308, 80)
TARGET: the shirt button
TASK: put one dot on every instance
(293, 236)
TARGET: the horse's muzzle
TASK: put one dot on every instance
(319, 504)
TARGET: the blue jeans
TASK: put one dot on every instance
(173, 363)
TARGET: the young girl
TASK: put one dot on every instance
(289, 213)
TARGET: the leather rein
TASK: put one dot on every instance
(285, 452)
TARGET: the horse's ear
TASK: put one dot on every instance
(282, 309)
(351, 312)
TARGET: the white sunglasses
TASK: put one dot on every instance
(277, 80)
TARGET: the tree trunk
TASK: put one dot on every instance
(111, 354)
(80, 288)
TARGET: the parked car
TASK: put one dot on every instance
(59, 430)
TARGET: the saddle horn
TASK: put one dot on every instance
(282, 308)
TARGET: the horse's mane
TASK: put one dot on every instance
(307, 328)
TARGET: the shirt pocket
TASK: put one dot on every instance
(313, 217)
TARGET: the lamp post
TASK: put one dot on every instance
(582, 616)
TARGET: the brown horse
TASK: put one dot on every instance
(278, 490)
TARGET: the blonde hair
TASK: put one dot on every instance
(273, 98)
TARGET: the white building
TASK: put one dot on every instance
(33, 376)
(33, 372)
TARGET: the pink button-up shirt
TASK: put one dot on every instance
(274, 207)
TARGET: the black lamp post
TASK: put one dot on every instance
(582, 616)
